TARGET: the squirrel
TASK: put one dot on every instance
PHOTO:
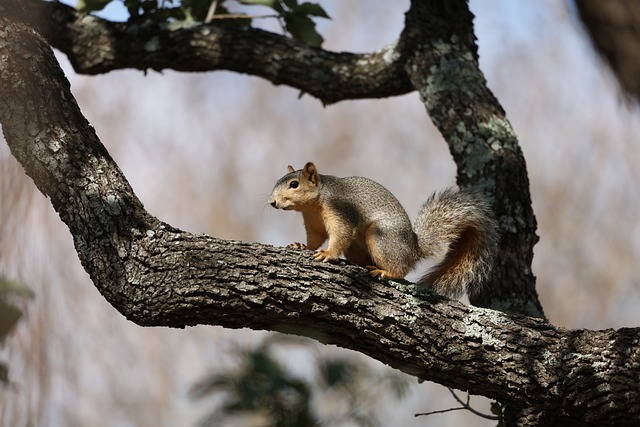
(366, 223)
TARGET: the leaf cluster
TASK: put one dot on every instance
(295, 18)
(263, 387)
(9, 314)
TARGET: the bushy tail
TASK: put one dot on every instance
(465, 222)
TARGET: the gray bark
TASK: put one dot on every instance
(97, 46)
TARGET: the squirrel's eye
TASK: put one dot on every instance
(293, 184)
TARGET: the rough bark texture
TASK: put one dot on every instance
(441, 59)
(96, 46)
(158, 275)
(436, 55)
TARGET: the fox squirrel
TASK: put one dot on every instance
(363, 220)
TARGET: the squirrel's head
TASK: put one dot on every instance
(297, 190)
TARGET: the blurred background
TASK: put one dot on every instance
(202, 151)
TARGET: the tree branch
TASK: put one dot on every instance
(464, 406)
(96, 46)
(438, 45)
(436, 55)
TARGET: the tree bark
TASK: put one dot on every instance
(157, 275)
(96, 46)
(441, 59)
(436, 55)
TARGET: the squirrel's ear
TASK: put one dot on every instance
(311, 172)
(290, 169)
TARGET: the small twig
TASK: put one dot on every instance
(442, 411)
(211, 12)
(468, 407)
(465, 405)
(240, 16)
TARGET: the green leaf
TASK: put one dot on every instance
(149, 7)
(13, 287)
(336, 372)
(312, 9)
(273, 4)
(196, 9)
(301, 27)
(9, 316)
(269, 3)
(397, 383)
(87, 6)
(4, 373)
(291, 4)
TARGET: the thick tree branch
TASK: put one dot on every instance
(436, 55)
(95, 46)
(438, 44)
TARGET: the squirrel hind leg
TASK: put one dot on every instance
(392, 255)
(359, 254)
(365, 252)
(383, 274)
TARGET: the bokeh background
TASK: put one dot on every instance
(202, 151)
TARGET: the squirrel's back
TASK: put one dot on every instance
(362, 198)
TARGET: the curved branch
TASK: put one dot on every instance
(95, 46)
(436, 55)
(438, 45)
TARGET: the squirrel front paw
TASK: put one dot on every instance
(324, 255)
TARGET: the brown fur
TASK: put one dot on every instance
(365, 222)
